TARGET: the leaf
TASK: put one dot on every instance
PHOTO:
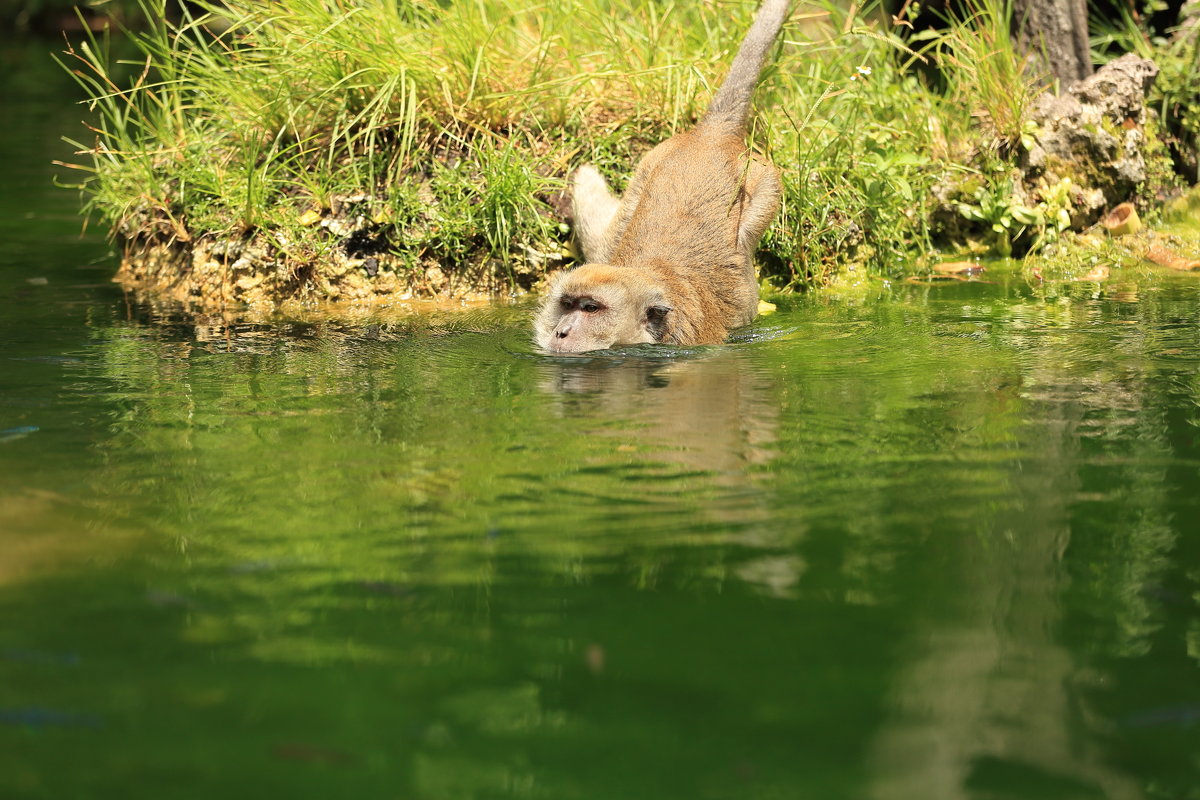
(970, 212)
(1025, 215)
(958, 268)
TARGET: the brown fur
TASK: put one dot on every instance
(672, 261)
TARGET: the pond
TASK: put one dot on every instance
(925, 541)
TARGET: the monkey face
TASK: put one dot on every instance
(597, 306)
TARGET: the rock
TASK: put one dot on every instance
(1094, 134)
(248, 281)
(435, 279)
(1119, 89)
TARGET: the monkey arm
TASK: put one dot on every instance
(594, 207)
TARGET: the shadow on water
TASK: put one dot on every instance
(935, 543)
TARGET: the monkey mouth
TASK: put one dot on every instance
(561, 347)
(568, 350)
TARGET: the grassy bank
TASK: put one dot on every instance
(341, 149)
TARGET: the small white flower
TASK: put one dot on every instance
(864, 70)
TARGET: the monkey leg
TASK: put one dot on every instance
(760, 204)
(594, 207)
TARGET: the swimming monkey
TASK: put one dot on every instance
(672, 260)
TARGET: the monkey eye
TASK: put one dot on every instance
(590, 306)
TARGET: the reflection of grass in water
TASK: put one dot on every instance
(42, 531)
(381, 563)
(431, 446)
(472, 689)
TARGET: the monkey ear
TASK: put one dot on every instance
(657, 313)
(656, 320)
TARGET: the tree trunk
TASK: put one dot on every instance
(1055, 32)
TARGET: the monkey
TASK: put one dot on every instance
(672, 260)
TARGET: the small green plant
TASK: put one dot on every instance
(1012, 221)
(1007, 217)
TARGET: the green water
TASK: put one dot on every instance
(940, 542)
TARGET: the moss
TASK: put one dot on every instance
(1162, 181)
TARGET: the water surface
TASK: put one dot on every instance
(931, 542)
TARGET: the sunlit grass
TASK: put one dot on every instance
(988, 75)
(453, 126)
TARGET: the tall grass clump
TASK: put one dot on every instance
(845, 119)
(987, 85)
(351, 147)
(987, 74)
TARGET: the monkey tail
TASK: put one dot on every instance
(732, 101)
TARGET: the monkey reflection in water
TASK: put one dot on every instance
(673, 260)
(715, 417)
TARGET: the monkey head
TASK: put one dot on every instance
(597, 306)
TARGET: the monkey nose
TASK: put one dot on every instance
(563, 332)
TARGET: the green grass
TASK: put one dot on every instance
(442, 133)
